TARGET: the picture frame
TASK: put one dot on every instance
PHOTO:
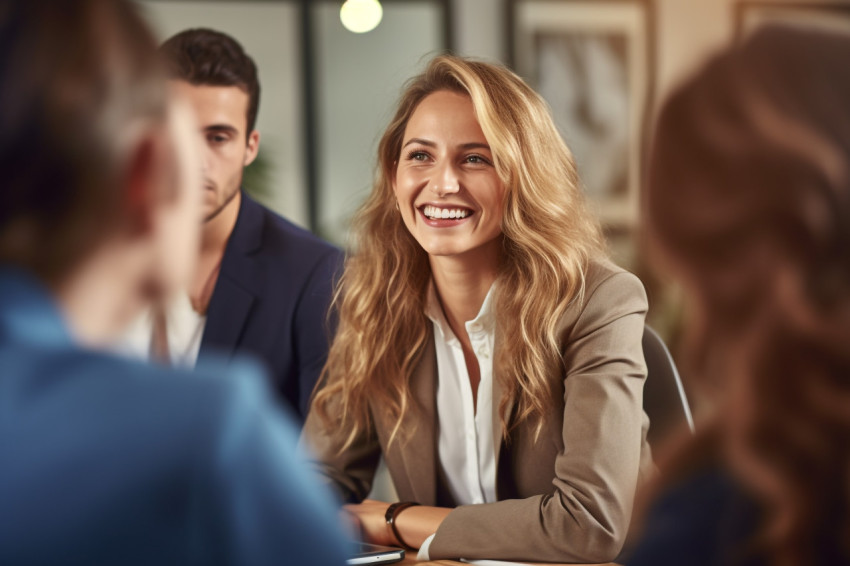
(592, 61)
(751, 14)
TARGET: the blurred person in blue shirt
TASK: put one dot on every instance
(104, 460)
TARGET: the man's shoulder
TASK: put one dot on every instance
(276, 260)
(282, 236)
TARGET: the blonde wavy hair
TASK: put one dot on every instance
(548, 239)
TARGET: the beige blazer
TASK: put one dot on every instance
(566, 497)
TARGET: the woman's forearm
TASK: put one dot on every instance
(414, 524)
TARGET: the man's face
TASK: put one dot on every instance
(221, 113)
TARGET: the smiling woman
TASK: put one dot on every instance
(486, 347)
(444, 149)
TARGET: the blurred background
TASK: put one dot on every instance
(602, 65)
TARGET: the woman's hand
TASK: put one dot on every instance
(369, 519)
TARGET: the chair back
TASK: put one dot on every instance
(664, 398)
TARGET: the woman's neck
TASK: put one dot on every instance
(462, 286)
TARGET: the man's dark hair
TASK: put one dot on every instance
(203, 56)
(75, 76)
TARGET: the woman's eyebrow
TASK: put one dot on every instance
(475, 145)
(419, 141)
(427, 143)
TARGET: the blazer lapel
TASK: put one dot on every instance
(418, 454)
(419, 451)
(234, 295)
(498, 393)
(503, 461)
(226, 320)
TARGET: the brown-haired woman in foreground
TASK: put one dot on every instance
(486, 347)
(749, 202)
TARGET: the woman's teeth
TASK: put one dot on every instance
(435, 212)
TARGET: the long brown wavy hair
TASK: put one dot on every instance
(548, 239)
(749, 202)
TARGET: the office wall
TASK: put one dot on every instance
(686, 31)
(479, 27)
(358, 78)
(689, 30)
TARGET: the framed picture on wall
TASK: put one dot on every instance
(591, 61)
(750, 14)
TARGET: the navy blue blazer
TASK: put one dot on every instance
(271, 301)
(105, 460)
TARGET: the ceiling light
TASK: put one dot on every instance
(360, 16)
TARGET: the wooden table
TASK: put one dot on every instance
(410, 560)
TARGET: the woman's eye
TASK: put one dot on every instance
(477, 160)
(417, 156)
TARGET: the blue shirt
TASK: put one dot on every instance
(109, 461)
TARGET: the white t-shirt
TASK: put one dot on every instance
(184, 329)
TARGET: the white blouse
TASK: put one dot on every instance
(465, 441)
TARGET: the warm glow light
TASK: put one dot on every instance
(361, 16)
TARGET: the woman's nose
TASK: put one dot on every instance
(445, 181)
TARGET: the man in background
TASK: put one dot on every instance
(262, 286)
(110, 461)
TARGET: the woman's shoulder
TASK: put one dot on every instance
(610, 293)
(607, 283)
(603, 272)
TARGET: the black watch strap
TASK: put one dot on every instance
(391, 514)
